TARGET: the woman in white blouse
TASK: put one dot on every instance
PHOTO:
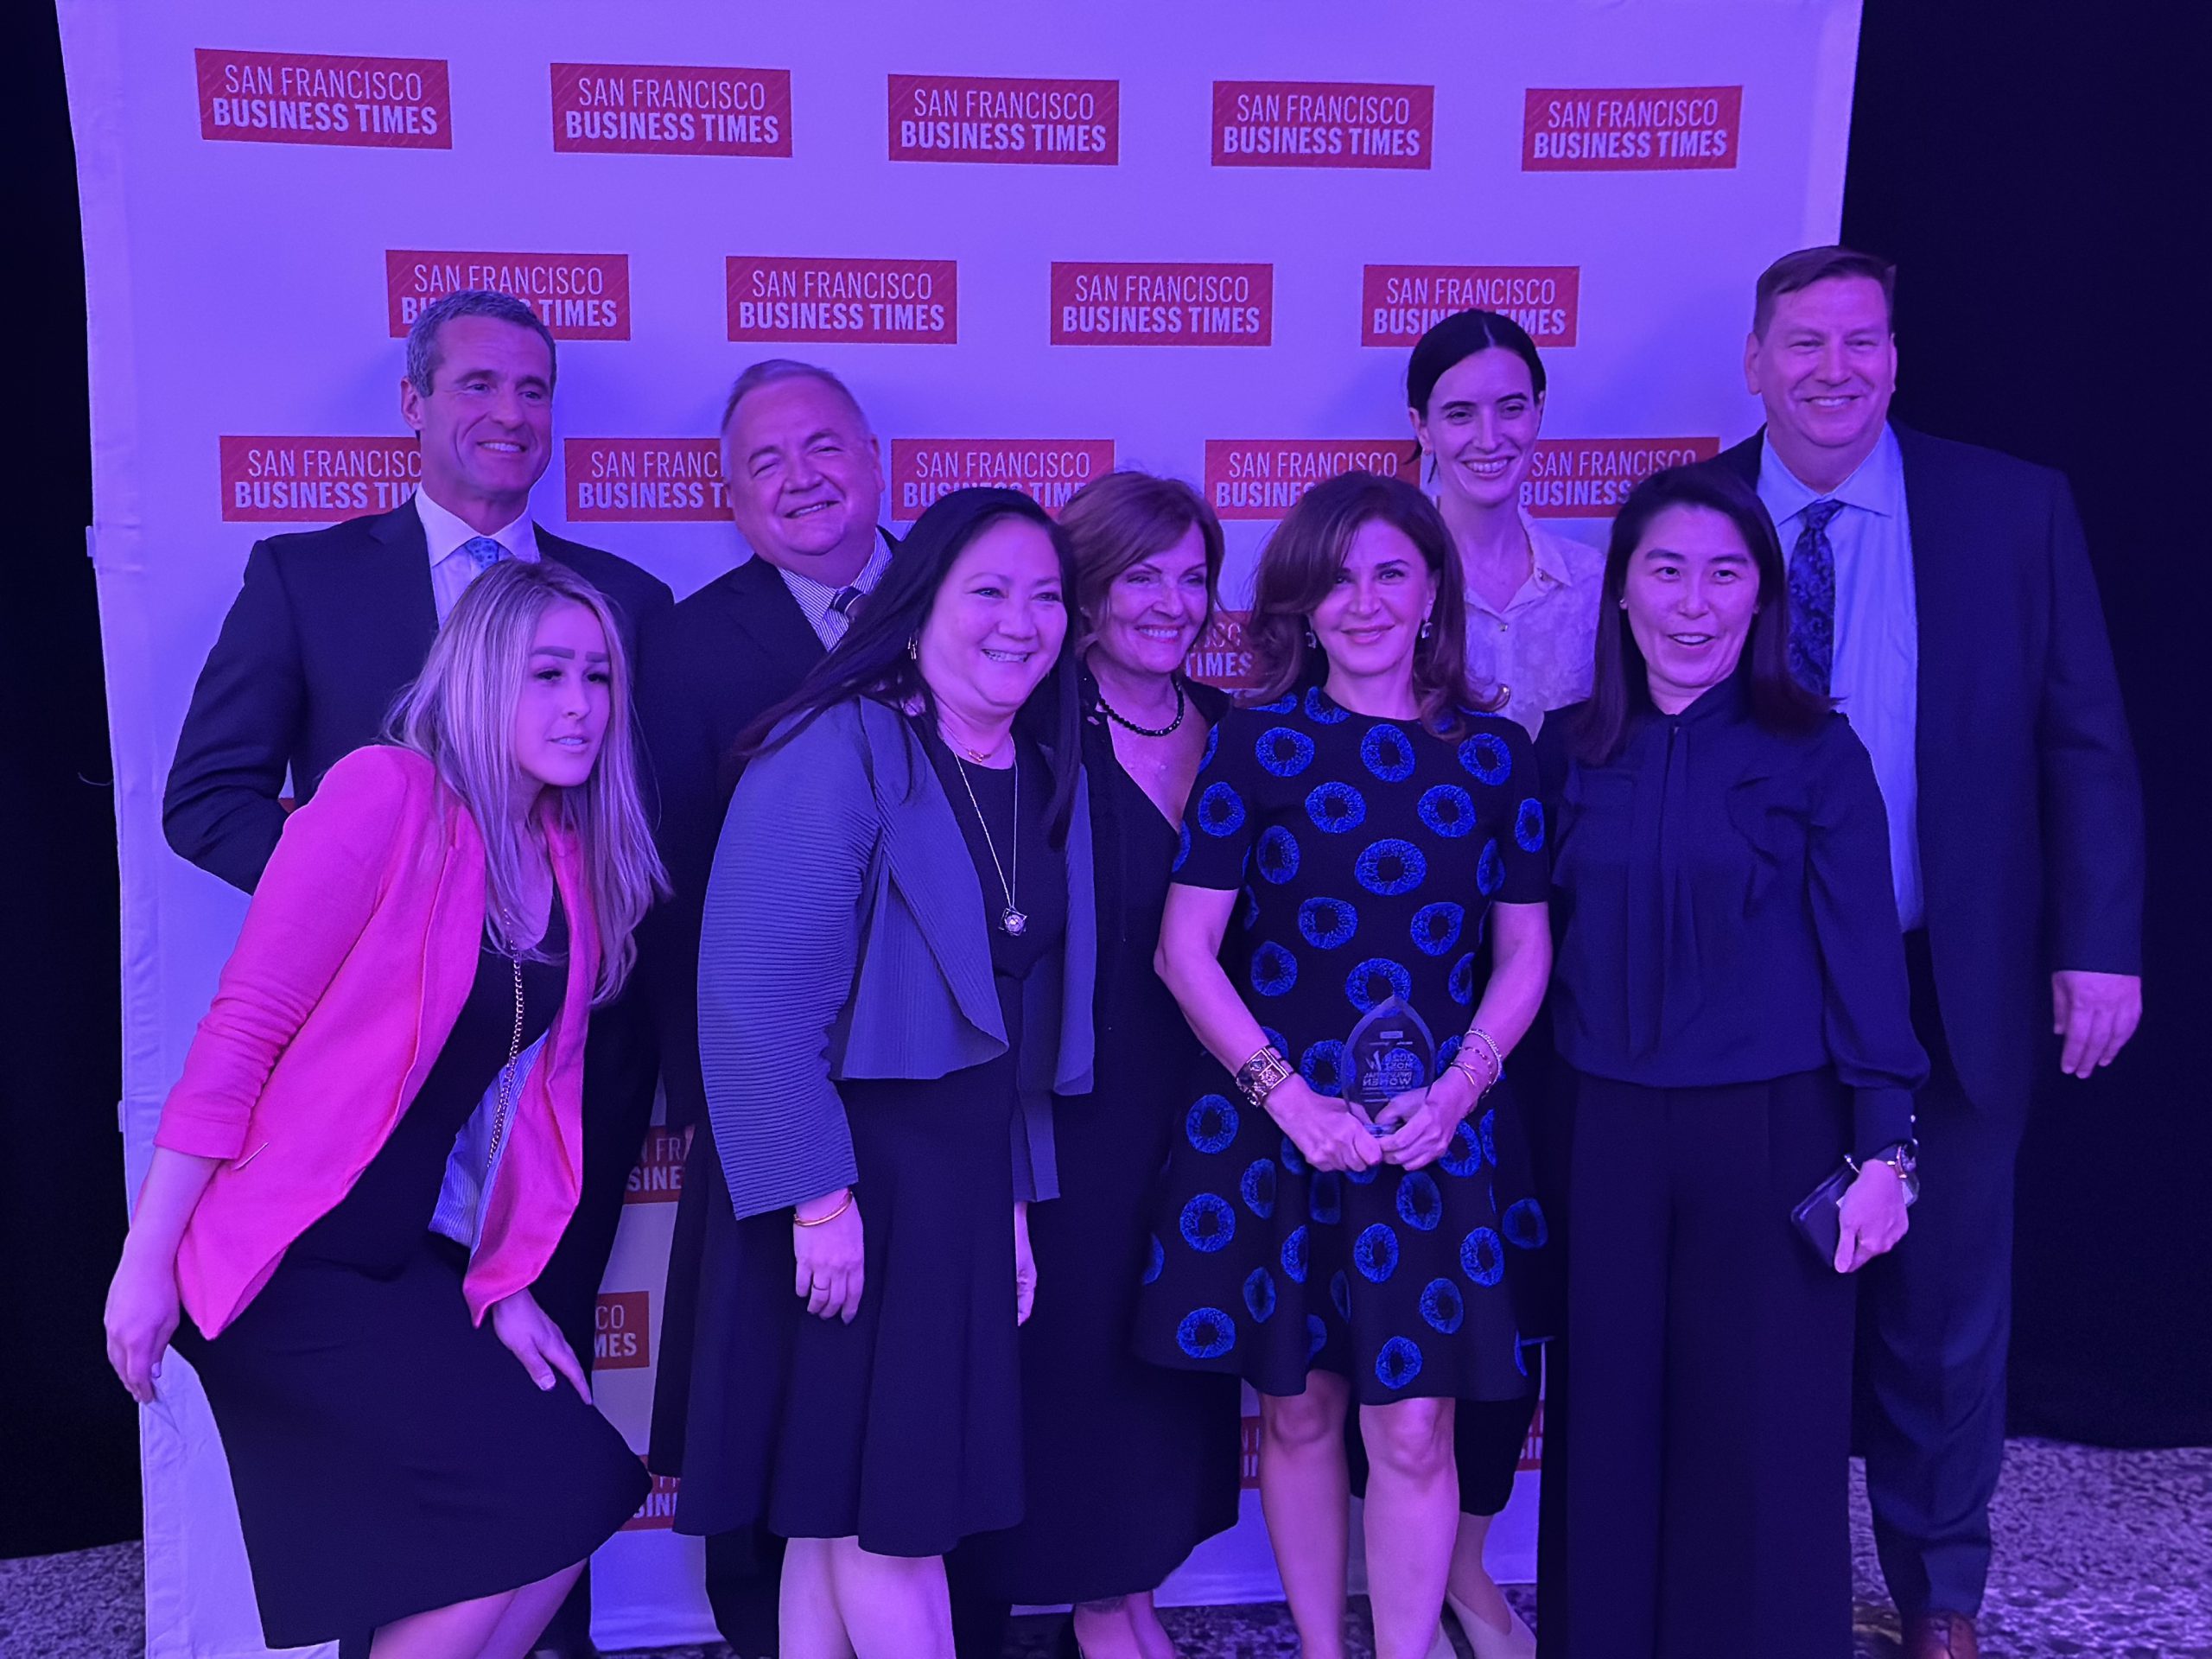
(1475, 394)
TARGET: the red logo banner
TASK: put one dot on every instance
(658, 1176)
(576, 296)
(657, 1512)
(1006, 120)
(902, 302)
(1048, 469)
(623, 1335)
(1629, 129)
(1589, 478)
(1322, 123)
(644, 480)
(308, 97)
(1112, 303)
(315, 480)
(666, 109)
(1399, 303)
(1263, 478)
(1221, 657)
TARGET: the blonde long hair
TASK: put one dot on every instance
(460, 715)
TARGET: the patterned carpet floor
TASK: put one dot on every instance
(2102, 1554)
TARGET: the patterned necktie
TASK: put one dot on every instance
(841, 606)
(1812, 600)
(484, 551)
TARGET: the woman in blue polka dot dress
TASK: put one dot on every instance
(1358, 834)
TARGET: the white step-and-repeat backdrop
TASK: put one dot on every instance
(1041, 242)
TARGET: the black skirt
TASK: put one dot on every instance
(389, 1456)
(1130, 1467)
(902, 1428)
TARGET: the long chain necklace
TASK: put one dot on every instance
(1010, 919)
(507, 1071)
(1127, 724)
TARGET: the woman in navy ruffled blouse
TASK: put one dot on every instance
(1730, 996)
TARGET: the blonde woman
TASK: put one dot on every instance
(410, 1439)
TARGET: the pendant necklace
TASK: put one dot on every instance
(504, 1109)
(1010, 919)
(1127, 724)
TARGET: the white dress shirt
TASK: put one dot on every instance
(451, 570)
(1541, 648)
(1875, 677)
(458, 1214)
(814, 597)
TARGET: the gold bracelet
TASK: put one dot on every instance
(1497, 1054)
(1482, 1085)
(798, 1220)
(1259, 1077)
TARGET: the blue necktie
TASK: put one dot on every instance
(484, 551)
(1812, 600)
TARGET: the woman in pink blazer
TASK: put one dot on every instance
(396, 1044)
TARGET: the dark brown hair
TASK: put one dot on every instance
(1115, 522)
(1299, 566)
(1458, 337)
(1805, 267)
(1621, 688)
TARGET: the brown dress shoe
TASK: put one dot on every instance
(1939, 1636)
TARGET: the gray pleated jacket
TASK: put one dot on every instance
(844, 937)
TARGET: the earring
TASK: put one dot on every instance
(1624, 604)
(1311, 642)
(914, 646)
(1427, 627)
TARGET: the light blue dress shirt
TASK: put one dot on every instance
(1876, 679)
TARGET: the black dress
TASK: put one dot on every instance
(1367, 853)
(389, 1456)
(1130, 1467)
(901, 1428)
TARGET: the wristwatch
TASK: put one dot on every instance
(1904, 1159)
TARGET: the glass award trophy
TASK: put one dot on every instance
(1390, 1051)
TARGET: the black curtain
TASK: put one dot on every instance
(2037, 171)
(72, 1475)
(2029, 167)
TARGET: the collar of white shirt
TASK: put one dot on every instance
(814, 596)
(1876, 485)
(446, 532)
(1550, 570)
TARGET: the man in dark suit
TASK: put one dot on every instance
(329, 626)
(1943, 593)
(805, 480)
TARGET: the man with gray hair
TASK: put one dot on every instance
(804, 476)
(330, 625)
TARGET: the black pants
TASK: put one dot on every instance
(1711, 1411)
(1934, 1321)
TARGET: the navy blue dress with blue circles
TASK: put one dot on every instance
(1366, 854)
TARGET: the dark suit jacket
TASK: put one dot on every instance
(712, 666)
(328, 629)
(2030, 811)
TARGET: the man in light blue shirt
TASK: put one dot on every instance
(1876, 676)
(2017, 850)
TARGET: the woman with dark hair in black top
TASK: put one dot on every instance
(1731, 998)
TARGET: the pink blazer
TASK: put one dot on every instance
(357, 955)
